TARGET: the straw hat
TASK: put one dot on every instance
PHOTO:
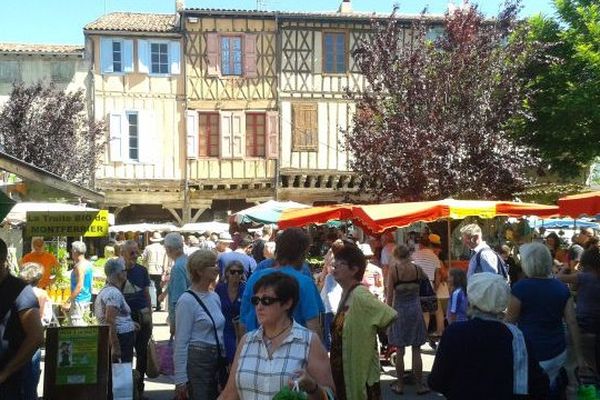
(156, 237)
(225, 237)
(366, 249)
(488, 292)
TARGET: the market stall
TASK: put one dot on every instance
(577, 205)
(201, 227)
(266, 213)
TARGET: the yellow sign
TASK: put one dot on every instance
(67, 223)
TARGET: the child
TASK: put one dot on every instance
(457, 306)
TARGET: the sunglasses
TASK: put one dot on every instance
(236, 271)
(265, 300)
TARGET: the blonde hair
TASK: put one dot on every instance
(31, 273)
(199, 260)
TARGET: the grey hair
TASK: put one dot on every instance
(113, 266)
(79, 247)
(129, 243)
(31, 273)
(536, 260)
(471, 230)
(173, 240)
(270, 247)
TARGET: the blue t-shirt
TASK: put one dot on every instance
(225, 258)
(309, 305)
(543, 304)
(457, 305)
(588, 302)
(269, 262)
(85, 294)
(179, 282)
(135, 287)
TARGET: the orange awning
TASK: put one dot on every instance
(378, 218)
(580, 204)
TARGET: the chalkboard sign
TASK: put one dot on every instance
(77, 364)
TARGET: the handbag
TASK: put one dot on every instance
(122, 381)
(427, 294)
(164, 350)
(153, 362)
(222, 364)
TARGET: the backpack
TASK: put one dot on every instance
(502, 267)
(13, 331)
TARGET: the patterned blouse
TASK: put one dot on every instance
(260, 377)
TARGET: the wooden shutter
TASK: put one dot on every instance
(115, 126)
(238, 131)
(174, 57)
(147, 140)
(127, 55)
(226, 135)
(106, 55)
(143, 56)
(192, 134)
(250, 67)
(272, 134)
(304, 127)
(212, 54)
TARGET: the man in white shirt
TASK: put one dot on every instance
(389, 244)
(483, 258)
(429, 262)
(155, 259)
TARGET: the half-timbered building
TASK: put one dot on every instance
(232, 122)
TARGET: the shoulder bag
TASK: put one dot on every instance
(426, 293)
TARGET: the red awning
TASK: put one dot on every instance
(580, 204)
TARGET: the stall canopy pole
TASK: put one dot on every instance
(449, 244)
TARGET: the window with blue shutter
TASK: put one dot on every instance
(231, 55)
(159, 58)
(334, 53)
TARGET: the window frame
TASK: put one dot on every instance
(137, 135)
(209, 134)
(303, 147)
(254, 115)
(121, 43)
(150, 62)
(345, 33)
(231, 61)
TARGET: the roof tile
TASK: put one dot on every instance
(134, 22)
(41, 48)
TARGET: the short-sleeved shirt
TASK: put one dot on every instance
(46, 260)
(543, 303)
(488, 260)
(588, 302)
(309, 306)
(428, 261)
(178, 283)
(458, 305)
(386, 253)
(111, 296)
(270, 263)
(135, 287)
(10, 325)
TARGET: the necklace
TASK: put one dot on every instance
(270, 338)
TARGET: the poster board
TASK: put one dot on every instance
(67, 223)
(77, 364)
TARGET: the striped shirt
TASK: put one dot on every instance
(427, 260)
(260, 377)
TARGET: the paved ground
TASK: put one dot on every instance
(162, 388)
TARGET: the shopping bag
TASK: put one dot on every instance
(164, 349)
(122, 381)
(153, 362)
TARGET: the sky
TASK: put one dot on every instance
(62, 21)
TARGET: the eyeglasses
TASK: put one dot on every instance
(265, 300)
(236, 271)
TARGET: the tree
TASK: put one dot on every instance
(565, 101)
(49, 128)
(435, 119)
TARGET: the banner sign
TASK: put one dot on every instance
(67, 223)
(77, 361)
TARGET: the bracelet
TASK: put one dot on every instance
(314, 390)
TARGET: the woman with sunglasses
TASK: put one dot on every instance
(280, 353)
(230, 291)
(359, 317)
(196, 355)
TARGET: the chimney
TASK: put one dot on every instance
(345, 7)
(179, 6)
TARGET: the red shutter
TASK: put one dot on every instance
(212, 54)
(272, 134)
(250, 68)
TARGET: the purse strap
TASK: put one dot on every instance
(211, 319)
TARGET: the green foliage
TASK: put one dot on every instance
(564, 120)
(288, 394)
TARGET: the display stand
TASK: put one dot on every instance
(77, 364)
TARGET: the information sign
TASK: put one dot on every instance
(77, 361)
(67, 223)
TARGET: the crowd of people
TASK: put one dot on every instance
(248, 323)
